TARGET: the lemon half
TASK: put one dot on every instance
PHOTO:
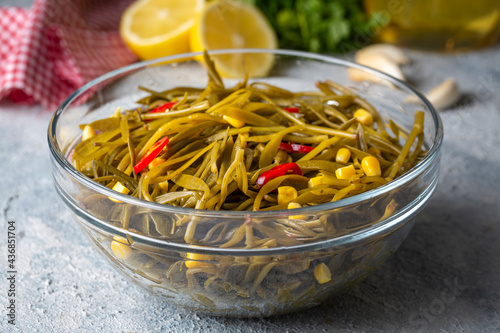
(159, 28)
(226, 24)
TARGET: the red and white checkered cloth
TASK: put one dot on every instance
(55, 47)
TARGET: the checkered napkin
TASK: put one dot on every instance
(55, 47)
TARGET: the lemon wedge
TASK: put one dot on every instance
(226, 24)
(159, 28)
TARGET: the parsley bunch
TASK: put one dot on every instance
(320, 25)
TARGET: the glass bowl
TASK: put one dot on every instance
(364, 230)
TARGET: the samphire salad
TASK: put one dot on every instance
(249, 147)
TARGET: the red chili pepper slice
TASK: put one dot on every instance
(301, 148)
(286, 147)
(277, 171)
(163, 108)
(295, 148)
(292, 110)
(151, 154)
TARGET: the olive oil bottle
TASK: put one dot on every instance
(445, 25)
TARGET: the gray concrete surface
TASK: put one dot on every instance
(444, 278)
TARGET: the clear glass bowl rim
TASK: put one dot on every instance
(431, 156)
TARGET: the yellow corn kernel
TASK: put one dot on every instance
(234, 122)
(293, 205)
(315, 181)
(322, 273)
(345, 172)
(121, 250)
(119, 187)
(197, 256)
(286, 194)
(364, 117)
(88, 132)
(371, 166)
(121, 240)
(164, 186)
(156, 162)
(374, 151)
(343, 155)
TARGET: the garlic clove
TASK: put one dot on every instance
(390, 51)
(377, 61)
(444, 95)
(380, 62)
(383, 57)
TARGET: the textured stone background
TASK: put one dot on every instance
(445, 277)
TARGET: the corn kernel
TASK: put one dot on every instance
(234, 122)
(164, 186)
(371, 166)
(121, 240)
(322, 273)
(343, 155)
(293, 205)
(88, 132)
(155, 162)
(120, 250)
(345, 172)
(315, 181)
(364, 117)
(197, 264)
(119, 187)
(198, 256)
(286, 194)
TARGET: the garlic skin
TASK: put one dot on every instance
(444, 95)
